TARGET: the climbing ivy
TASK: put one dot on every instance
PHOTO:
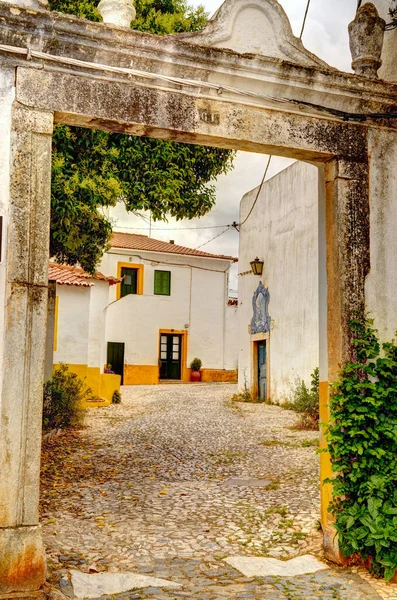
(362, 441)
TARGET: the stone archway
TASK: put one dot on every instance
(219, 88)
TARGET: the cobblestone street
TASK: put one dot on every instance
(175, 479)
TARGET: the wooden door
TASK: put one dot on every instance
(170, 356)
(262, 370)
(115, 358)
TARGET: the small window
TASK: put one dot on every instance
(129, 284)
(162, 283)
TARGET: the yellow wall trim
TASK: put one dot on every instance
(102, 384)
(56, 315)
(219, 375)
(139, 288)
(141, 374)
(325, 459)
(149, 375)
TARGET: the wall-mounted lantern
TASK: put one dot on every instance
(257, 266)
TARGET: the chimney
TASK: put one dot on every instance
(172, 241)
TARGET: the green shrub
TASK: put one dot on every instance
(362, 439)
(195, 365)
(63, 397)
(243, 396)
(116, 398)
(306, 401)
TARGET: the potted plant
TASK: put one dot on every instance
(195, 366)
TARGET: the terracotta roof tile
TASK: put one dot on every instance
(134, 241)
(66, 275)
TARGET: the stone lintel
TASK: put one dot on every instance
(142, 110)
(73, 37)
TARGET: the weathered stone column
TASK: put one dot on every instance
(23, 312)
(348, 261)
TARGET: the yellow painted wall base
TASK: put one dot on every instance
(141, 374)
(149, 375)
(103, 385)
(325, 459)
(109, 384)
(218, 376)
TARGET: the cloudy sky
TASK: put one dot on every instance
(325, 35)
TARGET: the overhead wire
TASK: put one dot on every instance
(214, 238)
(175, 228)
(258, 192)
(199, 84)
(304, 19)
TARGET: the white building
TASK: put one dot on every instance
(79, 327)
(278, 312)
(171, 306)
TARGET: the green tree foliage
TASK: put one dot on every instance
(362, 442)
(94, 169)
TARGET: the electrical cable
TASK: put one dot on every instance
(258, 192)
(175, 228)
(214, 238)
(304, 19)
(346, 116)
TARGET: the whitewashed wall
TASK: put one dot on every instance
(388, 69)
(283, 231)
(197, 303)
(81, 324)
(73, 324)
(381, 282)
(99, 298)
(231, 338)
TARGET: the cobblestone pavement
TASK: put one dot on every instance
(175, 479)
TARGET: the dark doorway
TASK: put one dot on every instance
(262, 370)
(170, 356)
(115, 358)
(129, 284)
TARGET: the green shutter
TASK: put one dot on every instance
(162, 283)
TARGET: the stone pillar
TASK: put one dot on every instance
(347, 259)
(23, 311)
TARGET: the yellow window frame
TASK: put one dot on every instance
(125, 265)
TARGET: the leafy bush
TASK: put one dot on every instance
(195, 365)
(306, 401)
(362, 440)
(116, 398)
(108, 370)
(63, 397)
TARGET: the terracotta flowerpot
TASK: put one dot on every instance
(195, 375)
